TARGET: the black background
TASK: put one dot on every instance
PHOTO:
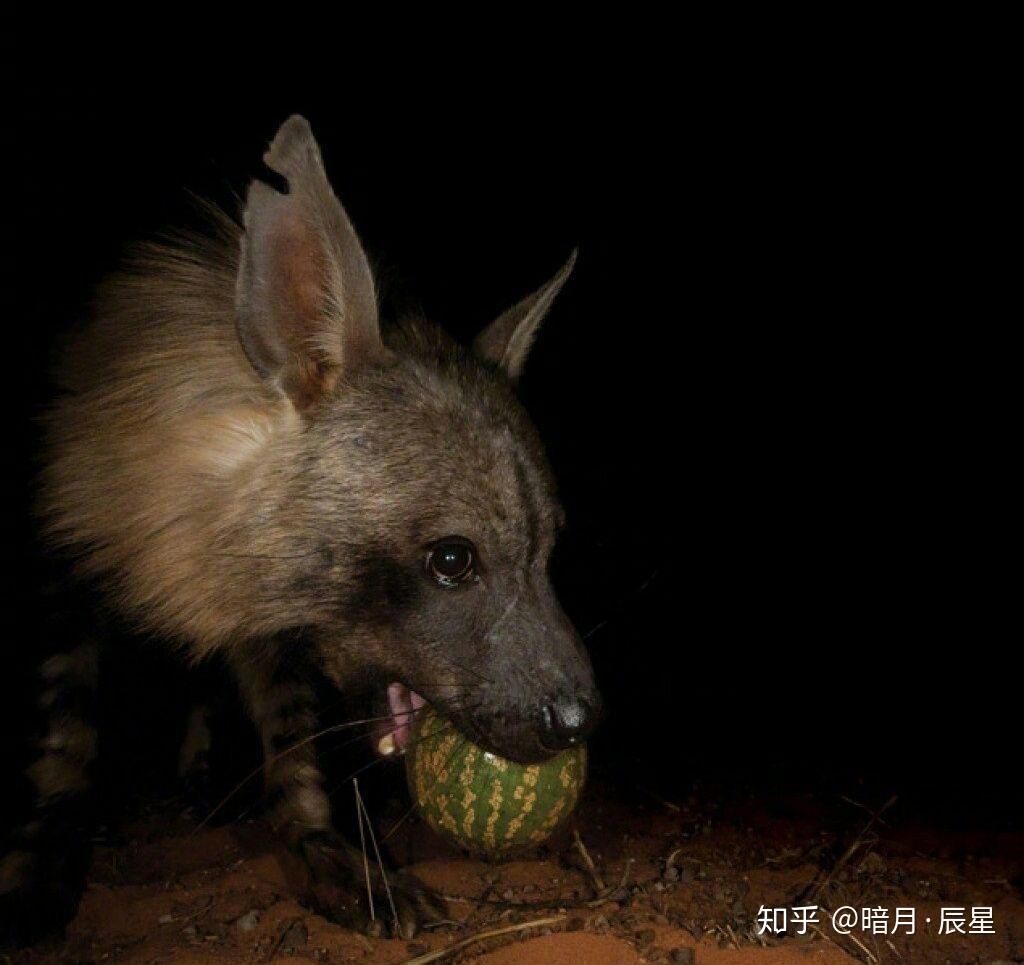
(746, 388)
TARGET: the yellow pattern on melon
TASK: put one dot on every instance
(422, 789)
(466, 777)
(492, 819)
(517, 822)
(445, 819)
(442, 755)
(552, 819)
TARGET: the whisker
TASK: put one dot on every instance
(322, 755)
(362, 842)
(288, 750)
(629, 598)
(380, 862)
(471, 670)
(377, 760)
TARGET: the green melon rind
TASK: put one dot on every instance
(484, 803)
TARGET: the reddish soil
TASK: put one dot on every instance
(680, 878)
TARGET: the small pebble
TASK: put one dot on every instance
(248, 921)
(297, 935)
(645, 937)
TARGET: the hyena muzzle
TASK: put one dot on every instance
(248, 465)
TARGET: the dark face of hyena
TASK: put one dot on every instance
(449, 532)
(426, 508)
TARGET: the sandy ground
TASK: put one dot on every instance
(683, 883)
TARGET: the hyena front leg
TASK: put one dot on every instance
(44, 860)
(283, 707)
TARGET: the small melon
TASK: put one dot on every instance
(484, 803)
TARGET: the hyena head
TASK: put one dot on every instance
(417, 510)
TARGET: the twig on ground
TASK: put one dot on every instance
(817, 931)
(857, 804)
(625, 874)
(810, 894)
(856, 941)
(288, 923)
(482, 936)
(853, 938)
(618, 893)
(599, 884)
(662, 801)
(198, 914)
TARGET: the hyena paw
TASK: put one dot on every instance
(337, 884)
(38, 896)
(415, 904)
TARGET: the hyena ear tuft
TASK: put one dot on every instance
(506, 341)
(306, 308)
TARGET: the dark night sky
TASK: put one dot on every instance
(737, 387)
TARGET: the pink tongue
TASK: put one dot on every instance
(403, 704)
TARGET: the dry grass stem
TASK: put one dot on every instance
(599, 884)
(482, 936)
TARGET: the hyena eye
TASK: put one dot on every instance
(450, 561)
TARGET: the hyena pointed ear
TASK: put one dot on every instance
(507, 340)
(305, 303)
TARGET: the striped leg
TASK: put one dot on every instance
(283, 708)
(42, 869)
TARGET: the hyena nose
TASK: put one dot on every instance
(566, 721)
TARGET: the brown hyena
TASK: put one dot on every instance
(248, 465)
